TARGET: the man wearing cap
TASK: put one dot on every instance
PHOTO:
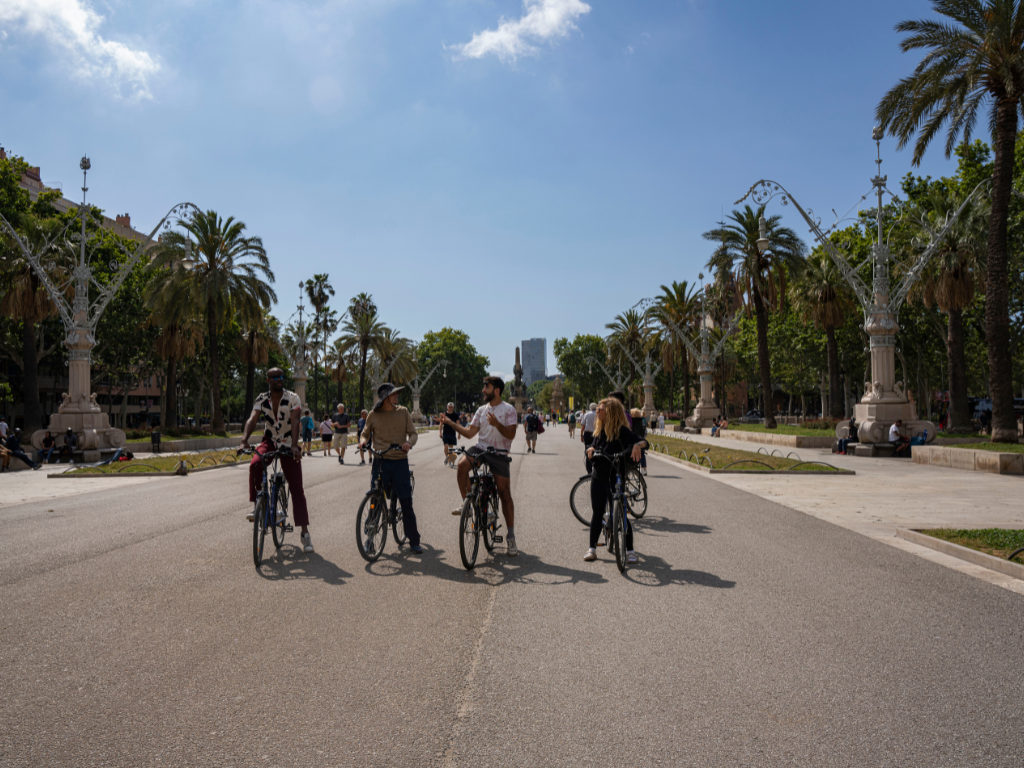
(391, 424)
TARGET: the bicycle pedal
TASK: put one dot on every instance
(499, 539)
(289, 529)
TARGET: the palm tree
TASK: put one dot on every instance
(762, 276)
(340, 363)
(820, 293)
(393, 347)
(319, 292)
(680, 306)
(629, 330)
(254, 348)
(362, 304)
(950, 283)
(24, 298)
(228, 271)
(974, 59)
(362, 331)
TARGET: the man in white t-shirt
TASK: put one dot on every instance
(494, 424)
(896, 438)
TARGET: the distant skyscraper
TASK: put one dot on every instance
(535, 360)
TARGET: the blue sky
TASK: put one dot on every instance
(512, 169)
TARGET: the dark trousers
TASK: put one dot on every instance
(43, 454)
(394, 477)
(24, 457)
(292, 473)
(600, 496)
(588, 440)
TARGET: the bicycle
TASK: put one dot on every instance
(615, 522)
(273, 495)
(636, 487)
(479, 511)
(375, 515)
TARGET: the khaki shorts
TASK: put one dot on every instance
(340, 439)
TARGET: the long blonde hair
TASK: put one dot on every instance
(614, 419)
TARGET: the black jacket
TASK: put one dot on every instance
(626, 439)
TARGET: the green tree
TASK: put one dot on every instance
(574, 361)
(461, 380)
(362, 330)
(678, 311)
(319, 291)
(628, 332)
(762, 276)
(974, 59)
(227, 271)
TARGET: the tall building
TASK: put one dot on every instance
(535, 360)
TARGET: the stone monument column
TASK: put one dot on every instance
(300, 380)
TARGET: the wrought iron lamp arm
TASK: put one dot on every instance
(764, 190)
(685, 338)
(899, 294)
(56, 295)
(433, 370)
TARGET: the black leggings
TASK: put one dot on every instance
(600, 495)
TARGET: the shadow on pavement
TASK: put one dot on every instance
(666, 525)
(653, 571)
(493, 569)
(290, 562)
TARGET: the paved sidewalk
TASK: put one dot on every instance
(887, 494)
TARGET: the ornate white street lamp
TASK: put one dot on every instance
(648, 372)
(417, 385)
(80, 317)
(884, 398)
(619, 381)
(295, 351)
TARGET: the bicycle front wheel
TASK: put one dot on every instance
(371, 527)
(490, 526)
(259, 529)
(619, 535)
(579, 500)
(278, 527)
(469, 534)
(398, 526)
(636, 488)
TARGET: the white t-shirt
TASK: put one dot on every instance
(588, 421)
(894, 433)
(488, 435)
(3, 428)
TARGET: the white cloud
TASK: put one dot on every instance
(73, 26)
(543, 20)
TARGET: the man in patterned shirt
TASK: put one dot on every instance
(279, 410)
(496, 423)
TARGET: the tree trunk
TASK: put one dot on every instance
(835, 391)
(959, 412)
(169, 412)
(216, 416)
(763, 359)
(686, 384)
(997, 317)
(30, 381)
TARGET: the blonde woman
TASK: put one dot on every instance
(611, 435)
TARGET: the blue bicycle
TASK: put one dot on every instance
(271, 510)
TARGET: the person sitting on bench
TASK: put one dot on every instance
(851, 436)
(900, 443)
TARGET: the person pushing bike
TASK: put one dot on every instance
(391, 424)
(279, 409)
(611, 435)
(495, 421)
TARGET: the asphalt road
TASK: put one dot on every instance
(134, 631)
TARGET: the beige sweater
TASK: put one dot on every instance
(390, 427)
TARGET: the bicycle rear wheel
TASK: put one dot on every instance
(371, 526)
(259, 529)
(398, 526)
(490, 527)
(579, 500)
(469, 534)
(636, 488)
(619, 535)
(278, 528)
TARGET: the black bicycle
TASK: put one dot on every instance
(375, 514)
(615, 521)
(636, 488)
(271, 509)
(479, 510)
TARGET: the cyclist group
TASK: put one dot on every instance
(390, 431)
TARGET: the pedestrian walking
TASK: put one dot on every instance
(306, 425)
(640, 430)
(587, 433)
(449, 437)
(661, 422)
(326, 434)
(531, 425)
(572, 424)
(360, 425)
(341, 421)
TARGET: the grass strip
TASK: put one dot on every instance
(998, 542)
(720, 457)
(782, 429)
(162, 463)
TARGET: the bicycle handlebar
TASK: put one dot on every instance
(269, 456)
(380, 454)
(489, 449)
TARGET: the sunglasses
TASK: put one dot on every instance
(275, 378)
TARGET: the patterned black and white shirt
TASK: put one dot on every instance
(280, 423)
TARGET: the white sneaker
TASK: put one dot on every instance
(591, 555)
(631, 557)
(251, 517)
(281, 515)
(457, 511)
(307, 542)
(510, 546)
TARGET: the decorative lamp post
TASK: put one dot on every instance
(884, 398)
(80, 317)
(377, 376)
(296, 354)
(648, 372)
(619, 381)
(417, 385)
